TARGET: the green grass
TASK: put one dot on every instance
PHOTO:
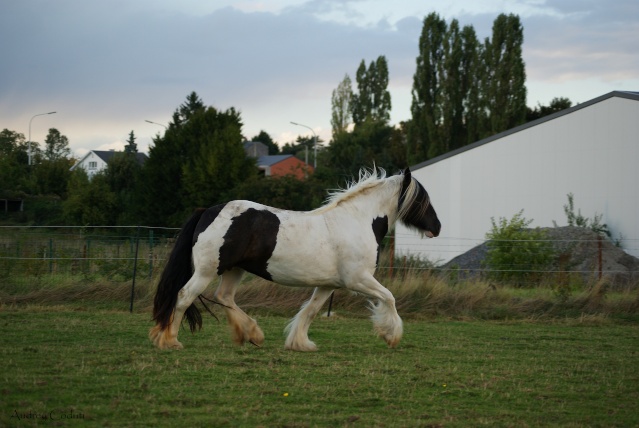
(100, 367)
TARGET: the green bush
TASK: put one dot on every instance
(515, 253)
(595, 224)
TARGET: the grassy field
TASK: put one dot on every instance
(84, 367)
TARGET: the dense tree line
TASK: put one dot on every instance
(463, 90)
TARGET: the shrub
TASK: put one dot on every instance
(515, 253)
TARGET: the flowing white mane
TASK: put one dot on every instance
(368, 178)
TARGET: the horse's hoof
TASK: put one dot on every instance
(307, 347)
(256, 337)
(392, 342)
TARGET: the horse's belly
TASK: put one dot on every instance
(306, 281)
(303, 270)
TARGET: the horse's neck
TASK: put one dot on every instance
(382, 202)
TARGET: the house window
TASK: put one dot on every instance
(93, 165)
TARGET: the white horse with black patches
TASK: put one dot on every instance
(333, 247)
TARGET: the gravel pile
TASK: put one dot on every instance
(576, 249)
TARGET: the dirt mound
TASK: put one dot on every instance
(577, 249)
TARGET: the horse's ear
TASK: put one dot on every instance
(407, 177)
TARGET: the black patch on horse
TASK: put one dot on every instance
(249, 242)
(417, 216)
(207, 218)
(380, 229)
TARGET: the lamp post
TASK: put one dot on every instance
(155, 123)
(41, 114)
(314, 142)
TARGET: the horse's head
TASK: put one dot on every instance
(415, 209)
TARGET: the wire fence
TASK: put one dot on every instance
(570, 251)
(114, 253)
(35, 257)
(58, 255)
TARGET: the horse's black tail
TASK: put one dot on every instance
(176, 274)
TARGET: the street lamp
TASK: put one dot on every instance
(155, 123)
(314, 139)
(41, 114)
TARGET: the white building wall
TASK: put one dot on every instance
(592, 152)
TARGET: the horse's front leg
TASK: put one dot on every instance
(386, 320)
(243, 327)
(297, 339)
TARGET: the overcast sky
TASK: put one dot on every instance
(106, 66)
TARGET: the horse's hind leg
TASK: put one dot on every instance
(167, 339)
(386, 320)
(243, 327)
(297, 339)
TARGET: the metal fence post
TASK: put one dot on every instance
(135, 265)
(50, 255)
(599, 256)
(151, 253)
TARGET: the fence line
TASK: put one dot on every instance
(57, 255)
(49, 255)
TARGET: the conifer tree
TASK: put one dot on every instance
(220, 163)
(195, 164)
(131, 146)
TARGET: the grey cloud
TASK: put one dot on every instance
(127, 61)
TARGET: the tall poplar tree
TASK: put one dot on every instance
(361, 105)
(378, 81)
(506, 77)
(372, 102)
(463, 90)
(474, 112)
(341, 100)
(451, 74)
(459, 88)
(423, 135)
(372, 140)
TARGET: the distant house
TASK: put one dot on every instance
(276, 165)
(96, 161)
(281, 165)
